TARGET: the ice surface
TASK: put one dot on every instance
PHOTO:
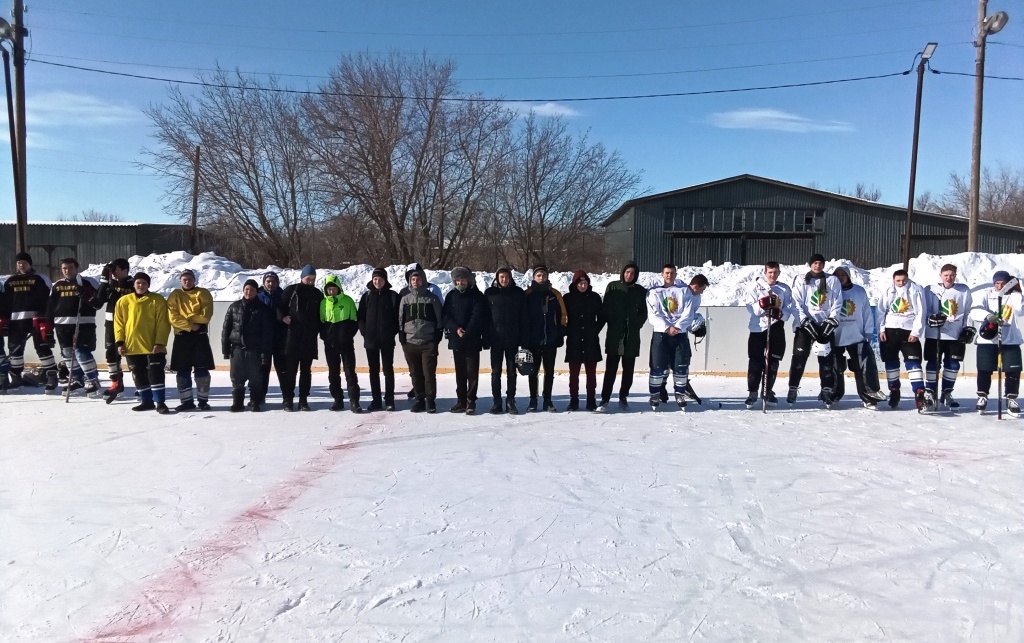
(725, 525)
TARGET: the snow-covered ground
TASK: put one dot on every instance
(714, 525)
(225, 278)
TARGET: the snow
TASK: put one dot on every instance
(225, 278)
(723, 525)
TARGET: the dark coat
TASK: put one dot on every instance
(302, 303)
(280, 329)
(378, 316)
(625, 307)
(586, 319)
(248, 324)
(468, 311)
(546, 317)
(508, 327)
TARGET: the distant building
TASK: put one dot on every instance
(748, 220)
(51, 241)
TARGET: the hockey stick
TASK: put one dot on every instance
(767, 362)
(1005, 290)
(74, 348)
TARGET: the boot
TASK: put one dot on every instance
(339, 404)
(288, 406)
(460, 407)
(471, 408)
(255, 407)
(532, 407)
(145, 406)
(591, 403)
(549, 406)
(162, 409)
(304, 405)
(237, 401)
(186, 405)
(574, 404)
(510, 406)
(496, 408)
(375, 405)
(431, 405)
(419, 406)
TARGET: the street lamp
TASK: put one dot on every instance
(926, 54)
(7, 35)
(986, 25)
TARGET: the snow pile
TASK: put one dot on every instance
(225, 278)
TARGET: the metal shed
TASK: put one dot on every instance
(51, 241)
(749, 219)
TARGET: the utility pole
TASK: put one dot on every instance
(193, 232)
(18, 47)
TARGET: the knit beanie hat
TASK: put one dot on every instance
(541, 268)
(1001, 275)
(23, 256)
(268, 275)
(250, 283)
(461, 272)
(190, 272)
(307, 270)
(816, 257)
(579, 274)
(141, 275)
(380, 272)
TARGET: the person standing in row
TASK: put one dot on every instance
(672, 312)
(546, 321)
(420, 330)
(247, 341)
(852, 337)
(506, 333)
(338, 327)
(270, 294)
(191, 309)
(433, 288)
(625, 309)
(72, 311)
(5, 362)
(141, 330)
(378, 324)
(999, 341)
(902, 310)
(25, 297)
(299, 309)
(586, 317)
(770, 304)
(818, 299)
(945, 347)
(115, 282)
(465, 321)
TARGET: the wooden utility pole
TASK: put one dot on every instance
(18, 47)
(194, 232)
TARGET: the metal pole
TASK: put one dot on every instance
(979, 85)
(18, 50)
(913, 166)
(193, 233)
(18, 207)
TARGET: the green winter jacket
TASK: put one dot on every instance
(625, 305)
(338, 323)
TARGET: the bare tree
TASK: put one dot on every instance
(1000, 199)
(401, 147)
(255, 176)
(556, 189)
(860, 191)
(94, 216)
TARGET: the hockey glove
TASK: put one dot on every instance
(989, 328)
(4, 325)
(828, 329)
(967, 335)
(45, 330)
(769, 301)
(808, 327)
(775, 313)
(105, 274)
(936, 320)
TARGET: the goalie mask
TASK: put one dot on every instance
(524, 363)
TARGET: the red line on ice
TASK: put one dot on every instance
(156, 607)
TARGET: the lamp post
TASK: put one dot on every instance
(7, 35)
(986, 25)
(926, 54)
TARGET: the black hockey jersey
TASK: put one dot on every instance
(25, 296)
(70, 302)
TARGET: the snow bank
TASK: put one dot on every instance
(225, 278)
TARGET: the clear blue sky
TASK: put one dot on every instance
(86, 129)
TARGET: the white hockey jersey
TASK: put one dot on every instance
(758, 316)
(953, 302)
(903, 307)
(814, 302)
(671, 306)
(856, 321)
(1013, 305)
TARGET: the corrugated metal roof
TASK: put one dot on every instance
(118, 224)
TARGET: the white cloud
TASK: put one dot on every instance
(54, 109)
(775, 119)
(544, 109)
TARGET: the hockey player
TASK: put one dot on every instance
(625, 307)
(247, 340)
(115, 282)
(818, 300)
(25, 298)
(191, 309)
(338, 327)
(949, 304)
(5, 363)
(545, 333)
(378, 324)
(72, 311)
(672, 312)
(902, 312)
(999, 339)
(420, 329)
(856, 325)
(769, 302)
(141, 329)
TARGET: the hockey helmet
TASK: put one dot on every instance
(989, 328)
(524, 363)
(699, 326)
(822, 349)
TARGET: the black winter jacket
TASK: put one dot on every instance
(248, 324)
(508, 322)
(586, 319)
(378, 316)
(272, 300)
(302, 303)
(625, 304)
(468, 311)
(546, 316)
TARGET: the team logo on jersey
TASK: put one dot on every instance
(848, 308)
(899, 306)
(949, 308)
(670, 304)
(1007, 313)
(818, 298)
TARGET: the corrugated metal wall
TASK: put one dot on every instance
(867, 234)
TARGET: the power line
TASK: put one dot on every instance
(477, 99)
(960, 73)
(598, 32)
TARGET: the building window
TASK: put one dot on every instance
(697, 220)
